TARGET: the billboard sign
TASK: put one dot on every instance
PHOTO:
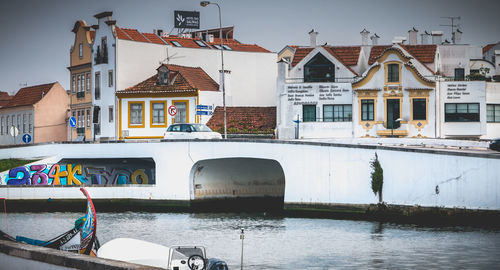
(187, 19)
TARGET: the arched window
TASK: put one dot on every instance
(319, 69)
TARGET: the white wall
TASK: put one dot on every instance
(454, 56)
(492, 97)
(319, 174)
(253, 74)
(24, 111)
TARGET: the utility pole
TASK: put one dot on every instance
(452, 25)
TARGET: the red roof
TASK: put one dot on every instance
(488, 47)
(29, 95)
(182, 78)
(4, 98)
(299, 54)
(135, 35)
(376, 51)
(423, 53)
(244, 120)
(347, 55)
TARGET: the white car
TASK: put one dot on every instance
(190, 131)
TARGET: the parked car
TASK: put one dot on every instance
(190, 131)
(495, 144)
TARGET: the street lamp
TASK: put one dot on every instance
(394, 122)
(204, 4)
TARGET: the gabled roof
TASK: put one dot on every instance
(244, 120)
(186, 42)
(29, 95)
(4, 98)
(376, 51)
(347, 55)
(423, 53)
(488, 47)
(182, 80)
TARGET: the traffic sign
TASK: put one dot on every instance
(204, 107)
(13, 131)
(204, 113)
(26, 138)
(172, 110)
(72, 121)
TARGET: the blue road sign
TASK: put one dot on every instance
(204, 113)
(204, 107)
(72, 121)
(26, 138)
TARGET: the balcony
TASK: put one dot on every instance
(80, 130)
(80, 94)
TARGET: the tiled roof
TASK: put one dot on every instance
(299, 54)
(376, 51)
(135, 35)
(4, 98)
(423, 53)
(347, 55)
(29, 95)
(184, 79)
(488, 47)
(244, 120)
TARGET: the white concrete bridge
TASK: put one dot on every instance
(301, 172)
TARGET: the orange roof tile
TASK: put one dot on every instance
(29, 95)
(376, 51)
(488, 47)
(347, 55)
(4, 98)
(153, 38)
(423, 53)
(244, 120)
(299, 54)
(184, 79)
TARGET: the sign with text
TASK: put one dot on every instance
(464, 91)
(314, 93)
(187, 19)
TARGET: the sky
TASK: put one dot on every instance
(36, 37)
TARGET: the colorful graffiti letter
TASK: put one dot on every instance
(25, 180)
(39, 177)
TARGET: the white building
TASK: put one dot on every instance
(132, 56)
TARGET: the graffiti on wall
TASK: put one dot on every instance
(81, 173)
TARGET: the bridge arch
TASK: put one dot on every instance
(237, 184)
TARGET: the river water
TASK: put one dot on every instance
(273, 242)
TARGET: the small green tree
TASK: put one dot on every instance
(377, 176)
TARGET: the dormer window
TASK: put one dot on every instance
(176, 44)
(201, 43)
(227, 47)
(319, 69)
(392, 73)
(163, 74)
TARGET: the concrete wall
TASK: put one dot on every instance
(314, 172)
(24, 112)
(492, 97)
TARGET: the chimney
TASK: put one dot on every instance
(437, 37)
(398, 40)
(457, 37)
(364, 37)
(412, 36)
(312, 38)
(158, 32)
(374, 39)
(424, 38)
(210, 38)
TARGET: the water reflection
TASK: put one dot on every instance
(274, 242)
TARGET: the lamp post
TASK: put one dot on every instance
(394, 122)
(204, 4)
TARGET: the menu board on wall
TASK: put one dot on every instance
(334, 93)
(464, 91)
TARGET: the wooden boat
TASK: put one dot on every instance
(85, 243)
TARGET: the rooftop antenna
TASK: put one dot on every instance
(169, 57)
(453, 25)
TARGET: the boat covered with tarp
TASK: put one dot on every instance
(81, 238)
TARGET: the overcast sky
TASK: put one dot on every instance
(35, 35)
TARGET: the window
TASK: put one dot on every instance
(158, 113)
(176, 44)
(227, 47)
(80, 50)
(337, 113)
(87, 84)
(19, 122)
(82, 82)
(30, 127)
(461, 112)
(308, 113)
(367, 110)
(24, 123)
(110, 78)
(419, 109)
(110, 114)
(217, 46)
(319, 69)
(393, 73)
(459, 74)
(7, 124)
(88, 118)
(97, 88)
(182, 112)
(1, 125)
(79, 120)
(493, 113)
(201, 43)
(136, 113)
(73, 83)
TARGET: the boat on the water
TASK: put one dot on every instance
(152, 254)
(85, 227)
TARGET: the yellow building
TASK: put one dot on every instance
(80, 78)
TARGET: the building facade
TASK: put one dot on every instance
(81, 81)
(37, 111)
(145, 109)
